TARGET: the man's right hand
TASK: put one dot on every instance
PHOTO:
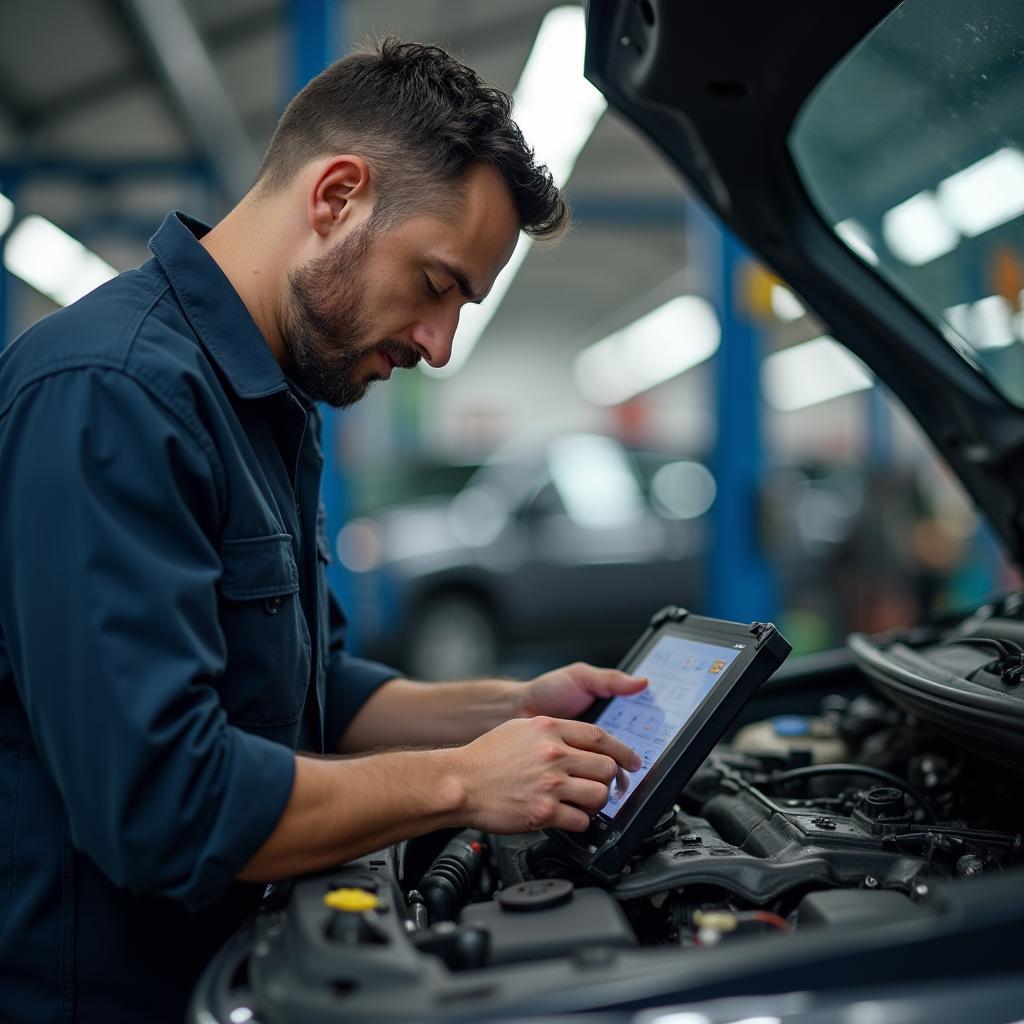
(534, 773)
(524, 775)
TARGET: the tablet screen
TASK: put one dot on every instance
(681, 673)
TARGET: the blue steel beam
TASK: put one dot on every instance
(101, 171)
(740, 583)
(631, 212)
(315, 44)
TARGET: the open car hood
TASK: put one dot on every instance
(717, 89)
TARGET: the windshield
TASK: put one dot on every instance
(913, 151)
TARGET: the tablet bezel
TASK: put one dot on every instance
(604, 848)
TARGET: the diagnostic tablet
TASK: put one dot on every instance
(701, 671)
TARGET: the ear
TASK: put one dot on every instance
(341, 187)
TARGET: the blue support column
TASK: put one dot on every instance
(316, 43)
(740, 583)
(879, 429)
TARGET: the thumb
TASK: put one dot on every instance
(611, 682)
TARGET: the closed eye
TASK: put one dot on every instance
(430, 288)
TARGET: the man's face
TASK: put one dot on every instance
(386, 297)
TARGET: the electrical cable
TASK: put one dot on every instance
(1003, 646)
(766, 917)
(856, 769)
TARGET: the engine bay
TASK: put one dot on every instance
(844, 840)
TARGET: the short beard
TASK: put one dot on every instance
(324, 326)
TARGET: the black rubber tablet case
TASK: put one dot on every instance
(607, 845)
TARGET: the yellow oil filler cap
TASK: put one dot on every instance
(354, 901)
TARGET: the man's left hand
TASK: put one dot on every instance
(568, 692)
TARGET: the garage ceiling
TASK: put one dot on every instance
(77, 84)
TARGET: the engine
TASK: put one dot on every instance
(768, 841)
(873, 834)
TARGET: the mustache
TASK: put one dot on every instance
(403, 356)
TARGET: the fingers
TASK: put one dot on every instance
(587, 736)
(570, 819)
(598, 767)
(584, 793)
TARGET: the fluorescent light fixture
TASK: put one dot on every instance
(991, 323)
(666, 342)
(685, 1017)
(986, 194)
(856, 237)
(6, 213)
(959, 318)
(785, 305)
(53, 262)
(917, 232)
(557, 110)
(814, 371)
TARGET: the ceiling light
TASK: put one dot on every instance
(557, 110)
(856, 237)
(666, 342)
(785, 305)
(958, 318)
(986, 194)
(6, 213)
(812, 372)
(685, 1017)
(53, 262)
(991, 323)
(917, 232)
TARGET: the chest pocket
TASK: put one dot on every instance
(268, 666)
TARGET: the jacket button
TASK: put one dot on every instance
(272, 605)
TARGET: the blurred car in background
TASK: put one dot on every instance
(557, 548)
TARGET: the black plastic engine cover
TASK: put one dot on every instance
(846, 908)
(589, 920)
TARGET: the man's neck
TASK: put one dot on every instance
(243, 246)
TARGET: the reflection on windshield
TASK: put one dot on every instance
(913, 149)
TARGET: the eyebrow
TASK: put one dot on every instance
(460, 280)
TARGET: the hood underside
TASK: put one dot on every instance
(718, 93)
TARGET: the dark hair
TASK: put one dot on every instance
(417, 115)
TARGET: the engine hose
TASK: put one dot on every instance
(448, 882)
(812, 770)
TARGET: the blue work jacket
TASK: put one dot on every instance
(167, 636)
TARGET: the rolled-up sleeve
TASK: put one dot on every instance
(111, 509)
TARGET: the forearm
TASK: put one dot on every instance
(342, 808)
(522, 776)
(403, 713)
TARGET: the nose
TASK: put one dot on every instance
(434, 337)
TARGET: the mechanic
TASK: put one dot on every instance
(167, 639)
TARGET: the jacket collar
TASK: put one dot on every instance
(214, 308)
